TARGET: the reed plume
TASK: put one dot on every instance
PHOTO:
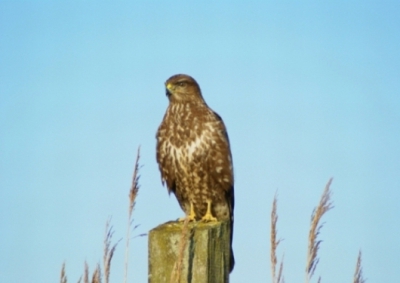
(324, 206)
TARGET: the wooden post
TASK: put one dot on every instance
(205, 253)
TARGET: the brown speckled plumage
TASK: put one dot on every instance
(193, 153)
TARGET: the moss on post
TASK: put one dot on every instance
(205, 254)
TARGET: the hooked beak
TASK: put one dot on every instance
(168, 90)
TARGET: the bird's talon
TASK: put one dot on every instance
(191, 216)
(183, 219)
(208, 217)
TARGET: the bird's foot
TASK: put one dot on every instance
(208, 217)
(190, 217)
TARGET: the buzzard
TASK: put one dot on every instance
(194, 156)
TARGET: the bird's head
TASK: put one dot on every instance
(183, 88)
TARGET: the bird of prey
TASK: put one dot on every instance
(194, 155)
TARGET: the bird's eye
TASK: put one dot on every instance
(182, 84)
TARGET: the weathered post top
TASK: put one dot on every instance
(203, 249)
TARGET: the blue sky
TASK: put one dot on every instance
(307, 90)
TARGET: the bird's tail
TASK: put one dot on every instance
(231, 258)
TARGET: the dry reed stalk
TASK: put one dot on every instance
(132, 197)
(274, 245)
(86, 273)
(281, 279)
(96, 278)
(108, 253)
(178, 266)
(63, 276)
(313, 244)
(358, 276)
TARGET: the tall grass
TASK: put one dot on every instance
(323, 207)
(63, 276)
(109, 248)
(108, 252)
(325, 204)
(132, 201)
(358, 274)
(274, 246)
